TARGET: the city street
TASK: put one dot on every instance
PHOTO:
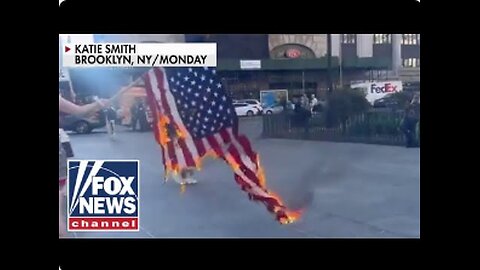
(347, 190)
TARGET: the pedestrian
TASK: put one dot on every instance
(305, 102)
(66, 106)
(283, 103)
(408, 126)
(111, 118)
(416, 99)
(303, 113)
(296, 117)
(415, 105)
(142, 115)
(139, 116)
(307, 114)
(313, 102)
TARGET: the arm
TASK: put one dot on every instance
(72, 108)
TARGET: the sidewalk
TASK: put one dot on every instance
(347, 190)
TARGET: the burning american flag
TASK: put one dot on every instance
(191, 105)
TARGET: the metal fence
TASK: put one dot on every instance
(375, 127)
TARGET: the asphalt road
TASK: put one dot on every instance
(347, 190)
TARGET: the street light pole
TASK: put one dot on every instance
(340, 60)
(329, 63)
(303, 81)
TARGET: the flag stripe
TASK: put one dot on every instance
(179, 154)
(247, 148)
(156, 132)
(171, 154)
(153, 107)
(243, 184)
(206, 145)
(215, 146)
(160, 82)
(155, 113)
(225, 135)
(242, 156)
(253, 187)
(190, 162)
(189, 143)
(153, 83)
(175, 155)
(248, 171)
(160, 86)
(200, 147)
(171, 107)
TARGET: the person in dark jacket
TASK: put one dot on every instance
(283, 103)
(303, 114)
(408, 126)
(139, 115)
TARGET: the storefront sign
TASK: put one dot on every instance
(250, 64)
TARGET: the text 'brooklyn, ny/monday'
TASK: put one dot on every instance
(147, 60)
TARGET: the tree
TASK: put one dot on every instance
(343, 104)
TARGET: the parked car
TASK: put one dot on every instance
(244, 109)
(254, 102)
(273, 109)
(82, 125)
(279, 108)
(249, 101)
(386, 102)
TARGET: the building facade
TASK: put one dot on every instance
(298, 62)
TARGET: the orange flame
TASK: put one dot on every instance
(162, 129)
(235, 166)
(183, 187)
(292, 216)
(198, 163)
(181, 132)
(260, 173)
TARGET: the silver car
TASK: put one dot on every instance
(255, 103)
(273, 109)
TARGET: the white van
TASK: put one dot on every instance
(377, 90)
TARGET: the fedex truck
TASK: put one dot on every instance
(376, 90)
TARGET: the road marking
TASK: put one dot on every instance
(147, 232)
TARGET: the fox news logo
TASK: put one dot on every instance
(103, 195)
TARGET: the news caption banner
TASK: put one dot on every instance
(103, 195)
(140, 55)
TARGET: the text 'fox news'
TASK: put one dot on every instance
(103, 195)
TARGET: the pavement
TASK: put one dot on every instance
(346, 190)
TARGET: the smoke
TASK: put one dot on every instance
(318, 175)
